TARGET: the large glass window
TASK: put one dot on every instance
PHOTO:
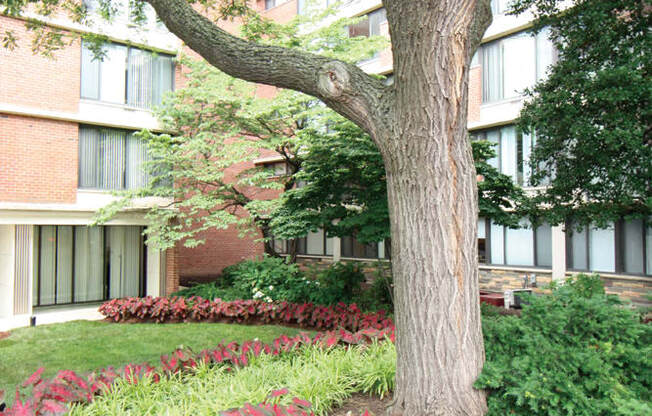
(524, 246)
(126, 75)
(84, 264)
(512, 64)
(370, 25)
(622, 247)
(513, 150)
(111, 159)
(316, 244)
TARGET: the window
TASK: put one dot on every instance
(513, 151)
(622, 247)
(499, 6)
(316, 244)
(352, 248)
(515, 247)
(271, 3)
(76, 264)
(111, 159)
(369, 26)
(126, 75)
(512, 64)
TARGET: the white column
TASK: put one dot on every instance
(153, 277)
(558, 253)
(7, 260)
(337, 249)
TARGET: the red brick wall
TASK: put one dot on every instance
(38, 160)
(171, 270)
(36, 81)
(475, 92)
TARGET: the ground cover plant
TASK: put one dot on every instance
(84, 346)
(322, 377)
(575, 351)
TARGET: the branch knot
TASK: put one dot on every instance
(334, 79)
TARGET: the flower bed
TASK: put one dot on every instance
(196, 309)
(53, 396)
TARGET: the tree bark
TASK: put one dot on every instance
(419, 126)
(431, 183)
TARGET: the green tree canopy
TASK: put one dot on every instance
(592, 114)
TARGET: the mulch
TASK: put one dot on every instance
(359, 402)
(4, 335)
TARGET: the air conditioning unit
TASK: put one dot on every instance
(513, 298)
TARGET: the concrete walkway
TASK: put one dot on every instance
(52, 315)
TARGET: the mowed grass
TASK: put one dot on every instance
(84, 346)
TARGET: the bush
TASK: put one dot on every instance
(575, 351)
(213, 290)
(339, 282)
(379, 296)
(269, 279)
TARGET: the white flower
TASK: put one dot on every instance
(271, 287)
(258, 295)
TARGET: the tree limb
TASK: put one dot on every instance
(343, 87)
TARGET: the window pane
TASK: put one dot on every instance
(139, 85)
(163, 78)
(89, 263)
(578, 245)
(493, 136)
(519, 64)
(545, 52)
(497, 241)
(524, 160)
(519, 249)
(633, 246)
(89, 162)
(124, 261)
(329, 246)
(112, 159)
(492, 85)
(315, 243)
(601, 250)
(376, 18)
(47, 269)
(64, 264)
(508, 151)
(112, 74)
(544, 245)
(90, 74)
(136, 175)
(359, 29)
(482, 228)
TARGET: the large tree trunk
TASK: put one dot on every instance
(431, 184)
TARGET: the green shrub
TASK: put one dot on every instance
(379, 296)
(573, 352)
(214, 290)
(339, 282)
(270, 279)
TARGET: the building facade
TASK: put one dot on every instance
(67, 142)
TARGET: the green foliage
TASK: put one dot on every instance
(214, 290)
(324, 377)
(270, 279)
(575, 351)
(380, 295)
(591, 115)
(339, 282)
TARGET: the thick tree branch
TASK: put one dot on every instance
(343, 87)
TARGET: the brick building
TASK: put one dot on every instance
(66, 141)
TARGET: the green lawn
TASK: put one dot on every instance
(88, 345)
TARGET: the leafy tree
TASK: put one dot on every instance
(592, 113)
(345, 190)
(223, 126)
(419, 126)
